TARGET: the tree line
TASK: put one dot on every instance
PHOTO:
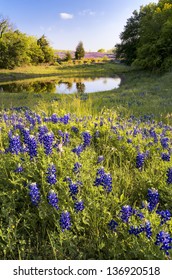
(17, 48)
(146, 40)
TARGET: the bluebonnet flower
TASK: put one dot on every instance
(26, 133)
(112, 225)
(136, 230)
(126, 213)
(74, 129)
(34, 194)
(32, 146)
(165, 157)
(65, 119)
(19, 169)
(169, 176)
(153, 134)
(54, 118)
(79, 206)
(153, 199)
(100, 159)
(78, 150)
(87, 138)
(129, 141)
(77, 167)
(165, 216)
(48, 139)
(164, 239)
(148, 229)
(138, 213)
(14, 144)
(51, 174)
(65, 221)
(42, 130)
(103, 179)
(65, 137)
(53, 199)
(30, 119)
(164, 142)
(73, 189)
(140, 160)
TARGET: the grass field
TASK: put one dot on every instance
(87, 176)
(140, 92)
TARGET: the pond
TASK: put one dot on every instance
(62, 86)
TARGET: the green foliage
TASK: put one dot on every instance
(126, 51)
(48, 53)
(80, 52)
(68, 56)
(146, 39)
(17, 48)
(101, 50)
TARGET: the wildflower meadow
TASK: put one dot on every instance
(84, 186)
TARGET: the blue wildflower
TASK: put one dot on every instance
(140, 160)
(74, 129)
(19, 169)
(42, 130)
(51, 174)
(153, 199)
(164, 239)
(103, 179)
(164, 142)
(54, 118)
(77, 167)
(165, 216)
(87, 139)
(148, 229)
(78, 150)
(14, 144)
(169, 176)
(136, 230)
(34, 194)
(165, 157)
(65, 221)
(48, 139)
(53, 199)
(73, 189)
(112, 225)
(100, 159)
(126, 213)
(65, 119)
(79, 206)
(32, 146)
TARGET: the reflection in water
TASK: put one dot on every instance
(63, 86)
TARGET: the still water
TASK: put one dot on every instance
(63, 86)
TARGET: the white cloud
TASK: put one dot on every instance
(87, 12)
(66, 16)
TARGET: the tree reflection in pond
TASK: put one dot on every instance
(66, 86)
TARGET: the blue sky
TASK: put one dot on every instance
(97, 23)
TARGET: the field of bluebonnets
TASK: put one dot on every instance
(82, 186)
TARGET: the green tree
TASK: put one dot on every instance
(101, 51)
(127, 49)
(80, 52)
(5, 26)
(68, 56)
(147, 37)
(48, 53)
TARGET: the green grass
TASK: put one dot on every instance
(34, 232)
(140, 92)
